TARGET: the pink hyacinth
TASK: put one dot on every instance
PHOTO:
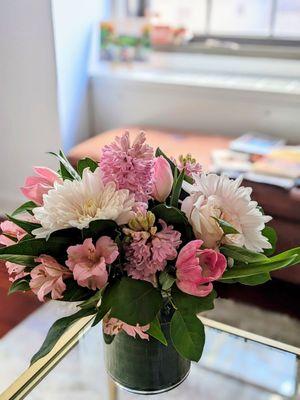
(36, 186)
(47, 277)
(113, 326)
(189, 164)
(130, 166)
(15, 271)
(12, 230)
(148, 254)
(196, 268)
(88, 262)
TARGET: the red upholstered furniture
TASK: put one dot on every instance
(282, 205)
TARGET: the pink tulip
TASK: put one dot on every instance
(162, 180)
(88, 262)
(47, 277)
(14, 232)
(112, 326)
(36, 186)
(197, 268)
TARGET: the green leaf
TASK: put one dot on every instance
(86, 163)
(242, 254)
(136, 302)
(166, 280)
(188, 336)
(254, 280)
(28, 261)
(66, 169)
(260, 268)
(99, 228)
(92, 301)
(108, 296)
(54, 246)
(271, 235)
(74, 292)
(226, 227)
(156, 332)
(28, 206)
(57, 330)
(20, 285)
(192, 304)
(177, 186)
(27, 226)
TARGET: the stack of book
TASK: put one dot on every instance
(260, 158)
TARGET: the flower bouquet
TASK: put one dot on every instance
(138, 240)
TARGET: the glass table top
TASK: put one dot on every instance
(236, 363)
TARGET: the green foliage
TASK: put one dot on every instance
(99, 228)
(189, 304)
(242, 254)
(74, 292)
(175, 217)
(57, 330)
(66, 169)
(187, 334)
(26, 207)
(156, 332)
(27, 226)
(91, 301)
(20, 285)
(166, 280)
(135, 302)
(254, 280)
(86, 163)
(226, 227)
(28, 261)
(176, 190)
(271, 235)
(107, 299)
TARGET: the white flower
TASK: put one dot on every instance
(77, 203)
(218, 196)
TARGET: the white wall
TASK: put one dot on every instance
(73, 22)
(29, 125)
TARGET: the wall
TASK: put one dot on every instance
(73, 22)
(29, 125)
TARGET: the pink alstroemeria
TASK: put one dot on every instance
(15, 271)
(196, 268)
(162, 179)
(112, 326)
(47, 277)
(88, 261)
(14, 231)
(36, 186)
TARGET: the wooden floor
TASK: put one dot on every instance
(13, 308)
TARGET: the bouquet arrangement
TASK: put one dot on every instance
(133, 235)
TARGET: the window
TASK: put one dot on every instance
(265, 19)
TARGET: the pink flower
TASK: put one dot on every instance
(189, 164)
(196, 268)
(88, 262)
(14, 231)
(36, 186)
(15, 271)
(162, 180)
(130, 166)
(112, 326)
(149, 253)
(47, 277)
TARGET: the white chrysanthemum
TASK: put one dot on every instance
(218, 196)
(77, 203)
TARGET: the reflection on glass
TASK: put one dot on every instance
(287, 22)
(241, 17)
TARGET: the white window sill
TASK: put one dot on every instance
(261, 76)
